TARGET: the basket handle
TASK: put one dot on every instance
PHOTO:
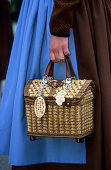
(50, 68)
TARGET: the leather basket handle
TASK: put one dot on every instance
(50, 68)
(71, 68)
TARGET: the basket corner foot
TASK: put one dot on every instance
(79, 140)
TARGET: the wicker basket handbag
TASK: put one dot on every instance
(60, 108)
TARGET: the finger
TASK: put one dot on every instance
(67, 52)
(56, 53)
(61, 56)
(52, 56)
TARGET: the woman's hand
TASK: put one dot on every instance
(58, 48)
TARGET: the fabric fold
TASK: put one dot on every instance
(29, 58)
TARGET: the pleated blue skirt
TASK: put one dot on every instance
(29, 58)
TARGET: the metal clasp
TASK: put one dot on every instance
(68, 82)
(45, 78)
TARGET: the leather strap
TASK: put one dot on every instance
(71, 68)
(50, 68)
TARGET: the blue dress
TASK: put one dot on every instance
(29, 58)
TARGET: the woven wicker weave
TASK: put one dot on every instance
(74, 119)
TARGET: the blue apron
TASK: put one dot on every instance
(29, 58)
